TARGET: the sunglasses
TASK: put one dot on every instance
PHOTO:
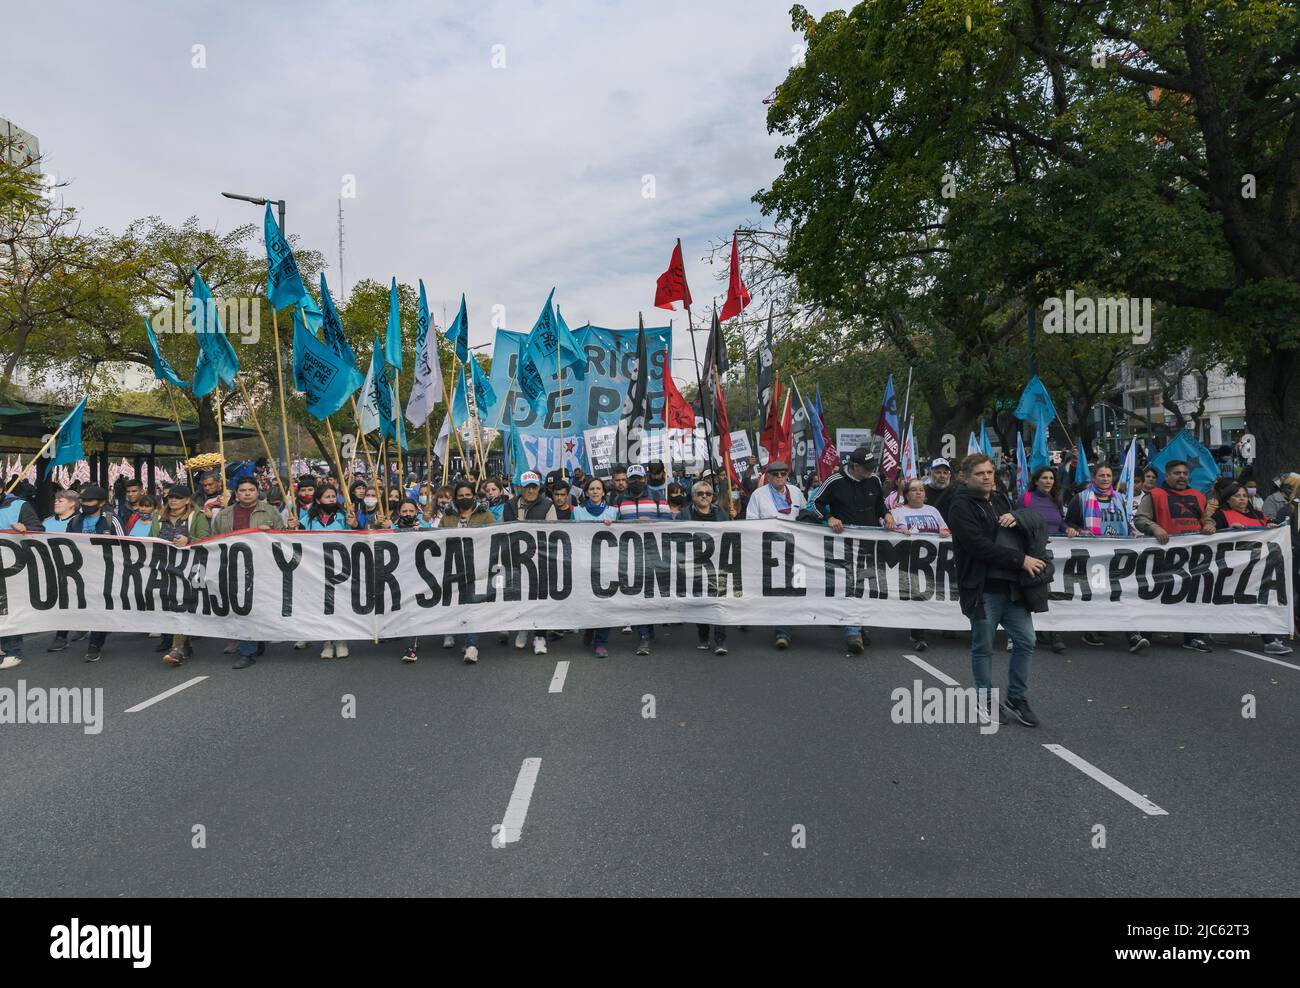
(778, 473)
(704, 493)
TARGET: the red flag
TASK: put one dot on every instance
(678, 413)
(737, 293)
(784, 440)
(671, 286)
(724, 429)
(769, 438)
(829, 461)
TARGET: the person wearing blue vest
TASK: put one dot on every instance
(95, 519)
(327, 515)
(67, 504)
(17, 515)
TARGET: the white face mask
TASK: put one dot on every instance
(424, 499)
(370, 502)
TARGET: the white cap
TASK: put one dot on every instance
(530, 478)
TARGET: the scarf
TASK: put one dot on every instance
(1092, 508)
(595, 510)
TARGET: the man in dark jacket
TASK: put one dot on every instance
(95, 518)
(989, 575)
(853, 495)
(702, 509)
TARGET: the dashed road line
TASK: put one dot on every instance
(943, 677)
(512, 827)
(162, 696)
(557, 681)
(1109, 781)
(1266, 658)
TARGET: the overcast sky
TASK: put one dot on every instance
(497, 181)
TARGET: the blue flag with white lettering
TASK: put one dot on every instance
(283, 282)
(217, 361)
(322, 375)
(334, 335)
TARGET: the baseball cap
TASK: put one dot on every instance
(636, 470)
(939, 461)
(530, 479)
(862, 456)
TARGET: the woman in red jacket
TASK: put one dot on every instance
(1238, 512)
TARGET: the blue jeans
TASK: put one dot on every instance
(1000, 609)
(644, 631)
(248, 649)
(852, 629)
(12, 645)
(600, 636)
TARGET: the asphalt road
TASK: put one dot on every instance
(707, 797)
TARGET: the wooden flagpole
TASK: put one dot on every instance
(221, 444)
(266, 448)
(177, 416)
(279, 385)
(39, 453)
(338, 462)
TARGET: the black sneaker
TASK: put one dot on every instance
(1198, 645)
(1018, 707)
(782, 642)
(1058, 643)
(920, 644)
(1138, 643)
(644, 647)
(58, 645)
(92, 654)
(703, 646)
(244, 662)
(1092, 638)
(719, 649)
(855, 644)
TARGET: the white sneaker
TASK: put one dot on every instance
(1278, 647)
(448, 641)
(10, 662)
(471, 653)
(328, 651)
(340, 650)
(299, 645)
(539, 644)
(627, 629)
(231, 648)
(521, 640)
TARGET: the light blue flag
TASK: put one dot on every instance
(459, 404)
(1039, 454)
(283, 282)
(569, 344)
(458, 333)
(311, 311)
(986, 447)
(1186, 447)
(517, 455)
(217, 361)
(1022, 466)
(1035, 403)
(322, 375)
(550, 348)
(1082, 472)
(1126, 476)
(378, 409)
(393, 336)
(334, 335)
(485, 398)
(162, 370)
(972, 444)
(67, 448)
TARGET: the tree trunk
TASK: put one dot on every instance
(208, 435)
(1272, 409)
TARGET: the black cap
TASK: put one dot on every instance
(93, 492)
(862, 456)
(307, 480)
(656, 465)
(176, 490)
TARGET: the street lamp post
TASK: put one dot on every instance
(285, 466)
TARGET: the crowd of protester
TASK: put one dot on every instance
(999, 537)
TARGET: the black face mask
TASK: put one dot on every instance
(86, 509)
(635, 487)
(464, 503)
(407, 520)
(677, 502)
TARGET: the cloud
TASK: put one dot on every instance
(496, 181)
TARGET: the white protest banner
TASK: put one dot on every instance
(355, 585)
(740, 448)
(847, 440)
(600, 449)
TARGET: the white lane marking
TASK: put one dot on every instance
(512, 827)
(1110, 782)
(557, 681)
(1266, 658)
(943, 677)
(162, 696)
